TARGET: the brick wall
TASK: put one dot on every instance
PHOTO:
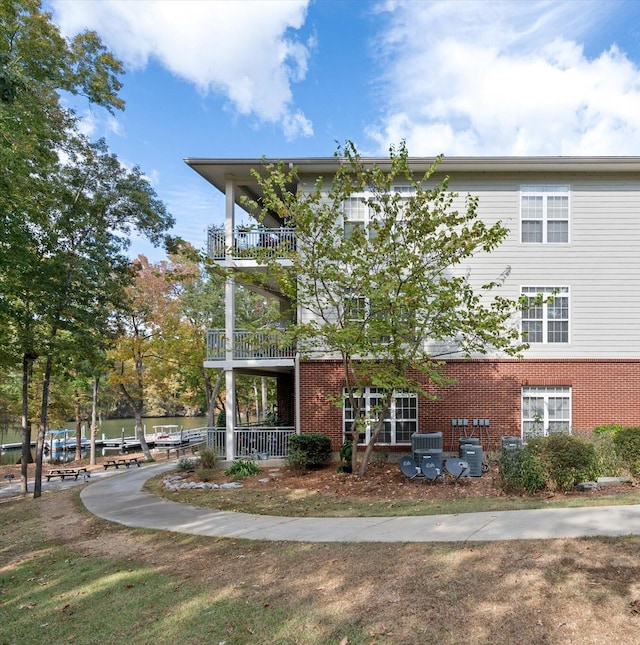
(603, 391)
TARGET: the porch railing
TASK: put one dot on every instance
(247, 345)
(252, 442)
(251, 243)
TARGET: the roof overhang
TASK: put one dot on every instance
(218, 171)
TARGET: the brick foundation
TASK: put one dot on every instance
(603, 391)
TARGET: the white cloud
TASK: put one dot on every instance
(245, 51)
(468, 78)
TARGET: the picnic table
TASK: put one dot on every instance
(124, 461)
(63, 473)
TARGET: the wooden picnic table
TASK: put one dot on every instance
(123, 461)
(63, 473)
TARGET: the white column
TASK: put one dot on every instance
(229, 212)
(230, 408)
(297, 392)
(229, 323)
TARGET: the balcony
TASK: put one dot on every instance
(251, 243)
(247, 345)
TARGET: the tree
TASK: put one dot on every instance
(67, 207)
(391, 298)
(36, 64)
(85, 236)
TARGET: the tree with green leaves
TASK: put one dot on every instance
(86, 236)
(67, 207)
(390, 297)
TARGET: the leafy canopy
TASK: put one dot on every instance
(379, 271)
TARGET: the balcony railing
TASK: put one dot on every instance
(252, 442)
(252, 243)
(247, 345)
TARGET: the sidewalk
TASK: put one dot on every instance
(121, 500)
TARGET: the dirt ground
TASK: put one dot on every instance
(382, 481)
(386, 482)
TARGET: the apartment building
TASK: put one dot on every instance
(574, 236)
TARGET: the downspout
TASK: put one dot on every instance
(297, 392)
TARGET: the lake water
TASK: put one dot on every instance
(111, 429)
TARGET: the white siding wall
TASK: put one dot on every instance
(600, 265)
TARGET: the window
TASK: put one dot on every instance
(546, 321)
(400, 424)
(355, 309)
(545, 410)
(355, 214)
(544, 214)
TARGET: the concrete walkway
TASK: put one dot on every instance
(121, 499)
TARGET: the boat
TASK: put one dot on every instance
(169, 436)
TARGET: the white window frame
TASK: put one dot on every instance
(552, 314)
(547, 217)
(545, 410)
(355, 305)
(355, 211)
(392, 422)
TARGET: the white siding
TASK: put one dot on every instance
(600, 265)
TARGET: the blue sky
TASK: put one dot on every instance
(290, 78)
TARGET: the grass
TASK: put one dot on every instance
(310, 503)
(66, 577)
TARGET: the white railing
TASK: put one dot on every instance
(251, 243)
(247, 345)
(216, 345)
(252, 442)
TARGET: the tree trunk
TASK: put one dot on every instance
(140, 435)
(78, 420)
(377, 428)
(265, 397)
(42, 427)
(137, 406)
(25, 459)
(94, 420)
(212, 395)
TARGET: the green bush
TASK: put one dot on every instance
(204, 474)
(609, 462)
(627, 444)
(569, 459)
(607, 429)
(241, 469)
(186, 464)
(346, 452)
(207, 458)
(522, 471)
(310, 450)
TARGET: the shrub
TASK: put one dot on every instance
(310, 450)
(186, 464)
(607, 429)
(241, 469)
(522, 471)
(204, 474)
(569, 459)
(609, 462)
(207, 458)
(627, 444)
(346, 452)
